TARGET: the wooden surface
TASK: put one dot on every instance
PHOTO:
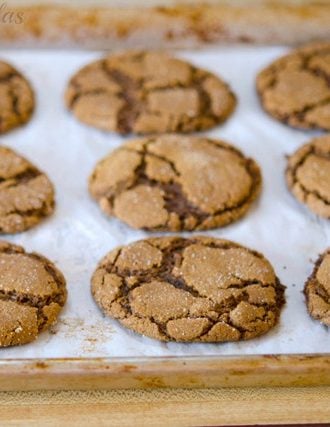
(170, 372)
(159, 408)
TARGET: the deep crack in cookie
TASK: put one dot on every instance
(16, 98)
(148, 92)
(26, 194)
(174, 183)
(32, 293)
(308, 175)
(317, 290)
(295, 89)
(199, 289)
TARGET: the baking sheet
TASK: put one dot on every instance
(78, 235)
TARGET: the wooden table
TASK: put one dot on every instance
(167, 407)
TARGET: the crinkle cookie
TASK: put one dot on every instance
(16, 98)
(26, 194)
(199, 289)
(308, 175)
(148, 92)
(32, 293)
(317, 290)
(295, 89)
(175, 182)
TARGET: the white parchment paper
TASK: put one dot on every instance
(78, 235)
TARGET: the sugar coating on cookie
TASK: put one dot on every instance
(175, 182)
(308, 175)
(148, 92)
(199, 289)
(16, 98)
(26, 193)
(317, 290)
(33, 292)
(295, 89)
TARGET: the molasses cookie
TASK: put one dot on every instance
(175, 182)
(32, 293)
(295, 89)
(308, 175)
(148, 92)
(26, 194)
(199, 289)
(16, 98)
(317, 290)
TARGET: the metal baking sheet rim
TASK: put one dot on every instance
(163, 372)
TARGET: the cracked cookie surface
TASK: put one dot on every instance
(317, 290)
(175, 182)
(16, 98)
(26, 194)
(189, 290)
(308, 175)
(148, 92)
(295, 89)
(32, 293)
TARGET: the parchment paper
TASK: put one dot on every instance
(78, 235)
